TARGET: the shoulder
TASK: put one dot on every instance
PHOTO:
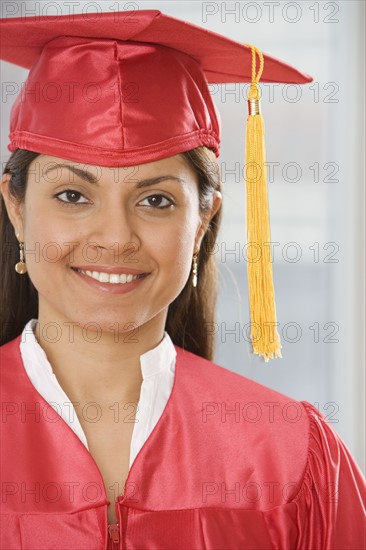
(13, 378)
(10, 350)
(266, 434)
(283, 447)
(218, 380)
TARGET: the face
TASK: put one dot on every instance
(108, 222)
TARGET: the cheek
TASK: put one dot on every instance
(45, 241)
(174, 246)
(178, 248)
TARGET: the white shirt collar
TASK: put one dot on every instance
(152, 361)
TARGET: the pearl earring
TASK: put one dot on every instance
(21, 267)
(194, 269)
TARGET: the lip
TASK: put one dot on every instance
(109, 288)
(110, 269)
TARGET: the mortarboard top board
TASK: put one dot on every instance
(127, 88)
(223, 60)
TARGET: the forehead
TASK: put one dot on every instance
(51, 168)
(174, 161)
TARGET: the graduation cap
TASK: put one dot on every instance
(122, 89)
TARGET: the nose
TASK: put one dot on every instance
(114, 229)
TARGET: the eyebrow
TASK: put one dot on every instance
(91, 178)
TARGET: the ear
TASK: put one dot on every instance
(13, 207)
(217, 199)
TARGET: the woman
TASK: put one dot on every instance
(113, 207)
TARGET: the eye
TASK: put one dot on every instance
(156, 200)
(71, 197)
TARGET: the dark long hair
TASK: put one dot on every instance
(191, 316)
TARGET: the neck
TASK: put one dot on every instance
(102, 367)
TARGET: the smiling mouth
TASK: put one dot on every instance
(112, 278)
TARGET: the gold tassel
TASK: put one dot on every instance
(263, 324)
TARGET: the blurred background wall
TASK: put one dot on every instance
(315, 152)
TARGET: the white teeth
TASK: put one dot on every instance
(104, 278)
(113, 278)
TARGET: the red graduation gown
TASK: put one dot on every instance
(230, 464)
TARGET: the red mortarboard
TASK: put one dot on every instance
(121, 89)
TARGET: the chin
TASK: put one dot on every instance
(94, 326)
